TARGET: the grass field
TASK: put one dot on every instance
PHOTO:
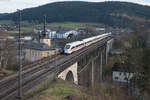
(6, 22)
(23, 30)
(10, 22)
(70, 25)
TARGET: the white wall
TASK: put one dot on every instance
(121, 76)
(62, 35)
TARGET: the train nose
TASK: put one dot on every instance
(67, 51)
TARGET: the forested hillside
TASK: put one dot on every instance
(110, 13)
(3, 14)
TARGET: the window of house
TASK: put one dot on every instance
(120, 73)
(37, 54)
(116, 78)
(125, 74)
(48, 54)
(126, 78)
(33, 59)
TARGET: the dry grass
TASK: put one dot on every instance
(62, 90)
(59, 90)
(5, 73)
(109, 91)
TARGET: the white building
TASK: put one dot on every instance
(100, 29)
(58, 34)
(52, 34)
(66, 34)
(122, 74)
(41, 30)
(37, 30)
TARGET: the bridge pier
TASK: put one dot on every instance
(108, 47)
(92, 71)
(93, 74)
(106, 55)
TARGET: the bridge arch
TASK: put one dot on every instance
(70, 77)
(70, 74)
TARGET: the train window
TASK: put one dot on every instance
(72, 47)
(48, 54)
(67, 46)
(79, 45)
(75, 46)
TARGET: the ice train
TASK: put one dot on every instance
(77, 45)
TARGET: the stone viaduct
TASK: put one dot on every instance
(88, 69)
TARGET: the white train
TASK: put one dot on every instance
(74, 46)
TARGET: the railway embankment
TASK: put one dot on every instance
(63, 90)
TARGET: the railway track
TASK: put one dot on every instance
(38, 62)
(10, 84)
(39, 72)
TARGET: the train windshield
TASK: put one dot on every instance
(67, 46)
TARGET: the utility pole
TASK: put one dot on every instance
(33, 25)
(55, 63)
(20, 59)
(55, 60)
(55, 57)
(44, 24)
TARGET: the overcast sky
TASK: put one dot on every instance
(12, 5)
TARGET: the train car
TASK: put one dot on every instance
(75, 46)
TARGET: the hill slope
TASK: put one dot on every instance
(62, 90)
(110, 13)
